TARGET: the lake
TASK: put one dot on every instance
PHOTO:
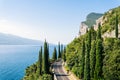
(15, 58)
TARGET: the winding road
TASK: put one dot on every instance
(59, 72)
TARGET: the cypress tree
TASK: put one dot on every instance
(61, 50)
(82, 60)
(64, 56)
(116, 26)
(99, 32)
(59, 53)
(46, 58)
(40, 61)
(87, 57)
(87, 63)
(39, 64)
(54, 54)
(92, 59)
(99, 60)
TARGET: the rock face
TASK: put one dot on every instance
(111, 34)
(83, 29)
(90, 21)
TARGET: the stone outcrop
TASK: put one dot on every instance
(83, 29)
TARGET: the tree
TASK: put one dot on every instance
(87, 57)
(116, 26)
(64, 54)
(40, 60)
(99, 31)
(99, 60)
(46, 58)
(59, 53)
(92, 59)
(39, 66)
(83, 59)
(54, 54)
(87, 64)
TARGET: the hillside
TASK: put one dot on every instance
(8, 39)
(91, 19)
(93, 57)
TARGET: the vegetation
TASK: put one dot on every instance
(41, 69)
(91, 57)
(109, 20)
(54, 54)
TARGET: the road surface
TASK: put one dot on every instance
(59, 72)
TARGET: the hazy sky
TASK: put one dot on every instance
(55, 20)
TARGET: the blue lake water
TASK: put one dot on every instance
(15, 58)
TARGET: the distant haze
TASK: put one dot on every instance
(53, 20)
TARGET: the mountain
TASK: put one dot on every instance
(91, 18)
(8, 39)
(90, 21)
(82, 53)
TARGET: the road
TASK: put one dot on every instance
(59, 72)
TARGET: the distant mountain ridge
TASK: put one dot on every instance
(8, 39)
(91, 19)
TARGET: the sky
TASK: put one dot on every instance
(53, 20)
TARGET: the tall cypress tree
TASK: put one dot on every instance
(116, 26)
(99, 60)
(54, 54)
(39, 65)
(87, 63)
(40, 60)
(92, 59)
(87, 57)
(46, 58)
(99, 31)
(83, 59)
(64, 54)
(59, 52)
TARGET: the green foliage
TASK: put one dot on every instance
(39, 66)
(109, 20)
(46, 58)
(64, 54)
(87, 63)
(54, 54)
(92, 59)
(111, 67)
(37, 71)
(82, 60)
(59, 51)
(99, 59)
(116, 26)
(46, 77)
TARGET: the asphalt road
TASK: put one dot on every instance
(58, 70)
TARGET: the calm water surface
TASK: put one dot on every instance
(15, 58)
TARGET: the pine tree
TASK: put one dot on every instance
(99, 60)
(54, 54)
(59, 53)
(46, 58)
(83, 59)
(116, 26)
(92, 59)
